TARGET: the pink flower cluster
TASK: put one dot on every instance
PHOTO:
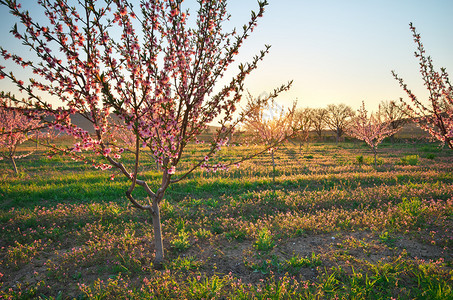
(436, 117)
(371, 129)
(15, 128)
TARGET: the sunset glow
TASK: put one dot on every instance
(335, 51)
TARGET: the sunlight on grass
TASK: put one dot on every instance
(329, 226)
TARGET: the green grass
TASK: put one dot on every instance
(329, 226)
(410, 160)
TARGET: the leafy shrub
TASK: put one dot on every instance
(202, 234)
(181, 243)
(430, 148)
(387, 239)
(359, 159)
(411, 160)
(265, 265)
(369, 160)
(216, 228)
(296, 263)
(264, 241)
(184, 264)
(413, 207)
(236, 234)
(207, 288)
(167, 209)
(430, 156)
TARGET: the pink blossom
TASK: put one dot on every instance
(15, 127)
(106, 151)
(437, 117)
(372, 130)
(174, 12)
(172, 170)
(160, 81)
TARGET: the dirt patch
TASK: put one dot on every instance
(356, 248)
(416, 249)
(221, 256)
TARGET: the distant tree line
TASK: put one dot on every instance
(339, 120)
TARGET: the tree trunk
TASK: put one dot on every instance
(375, 154)
(273, 166)
(158, 244)
(319, 134)
(394, 127)
(14, 164)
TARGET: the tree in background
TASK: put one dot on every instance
(372, 130)
(302, 124)
(318, 119)
(270, 125)
(46, 136)
(160, 82)
(15, 128)
(338, 119)
(437, 116)
(393, 113)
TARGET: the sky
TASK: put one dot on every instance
(334, 51)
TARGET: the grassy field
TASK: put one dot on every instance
(330, 226)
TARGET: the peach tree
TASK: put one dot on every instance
(372, 130)
(153, 67)
(15, 128)
(435, 117)
(270, 125)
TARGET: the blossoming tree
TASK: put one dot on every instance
(14, 130)
(270, 125)
(436, 117)
(161, 82)
(372, 130)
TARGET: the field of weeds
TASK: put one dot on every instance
(328, 226)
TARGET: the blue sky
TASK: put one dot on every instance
(344, 51)
(335, 51)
